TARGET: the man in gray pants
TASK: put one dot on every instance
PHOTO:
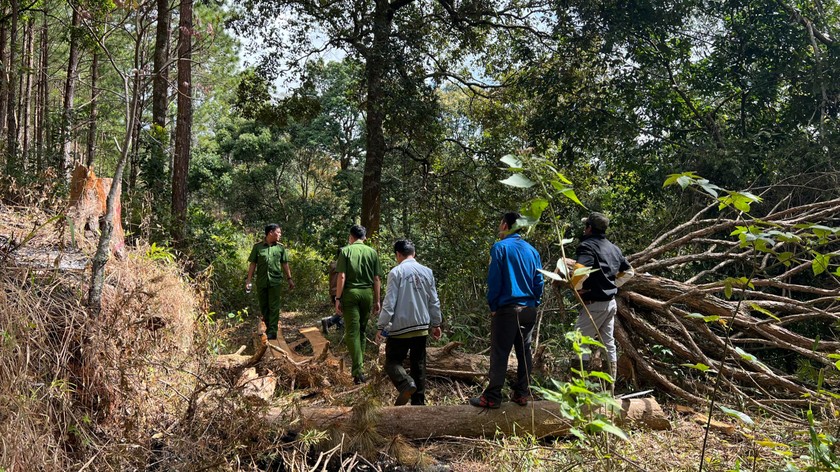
(598, 288)
(412, 308)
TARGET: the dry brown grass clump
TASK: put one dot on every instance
(131, 389)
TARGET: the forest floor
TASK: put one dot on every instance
(768, 444)
(730, 445)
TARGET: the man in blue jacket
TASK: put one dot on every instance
(412, 308)
(514, 288)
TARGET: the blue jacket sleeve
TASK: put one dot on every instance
(494, 278)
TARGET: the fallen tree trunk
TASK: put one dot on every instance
(540, 418)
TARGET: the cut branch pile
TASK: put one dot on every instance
(766, 282)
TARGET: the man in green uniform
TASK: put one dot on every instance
(357, 294)
(267, 258)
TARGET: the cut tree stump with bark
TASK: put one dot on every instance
(88, 195)
(541, 418)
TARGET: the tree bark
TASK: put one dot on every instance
(541, 418)
(375, 68)
(66, 162)
(42, 93)
(4, 71)
(160, 87)
(11, 118)
(26, 95)
(90, 151)
(183, 126)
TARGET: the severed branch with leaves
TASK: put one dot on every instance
(746, 295)
(739, 304)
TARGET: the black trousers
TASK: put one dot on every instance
(511, 327)
(396, 350)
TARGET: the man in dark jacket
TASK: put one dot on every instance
(597, 289)
(514, 289)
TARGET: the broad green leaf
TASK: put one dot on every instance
(763, 310)
(727, 290)
(518, 180)
(601, 375)
(785, 258)
(577, 433)
(601, 425)
(551, 275)
(591, 342)
(535, 208)
(709, 188)
(699, 366)
(834, 356)
(675, 178)
(837, 364)
(563, 178)
(822, 231)
(512, 161)
(737, 414)
(820, 262)
(570, 194)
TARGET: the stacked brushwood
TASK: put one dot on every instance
(752, 299)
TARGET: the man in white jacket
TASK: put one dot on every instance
(412, 308)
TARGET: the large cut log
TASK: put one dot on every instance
(540, 418)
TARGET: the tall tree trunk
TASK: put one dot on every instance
(4, 70)
(11, 122)
(160, 88)
(134, 168)
(103, 250)
(43, 96)
(375, 68)
(183, 130)
(27, 91)
(90, 151)
(65, 165)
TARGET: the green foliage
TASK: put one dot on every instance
(589, 410)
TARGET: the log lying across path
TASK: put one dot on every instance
(539, 418)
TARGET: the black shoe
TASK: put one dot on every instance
(359, 379)
(483, 402)
(521, 400)
(325, 325)
(405, 394)
(271, 336)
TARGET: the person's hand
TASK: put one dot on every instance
(291, 284)
(492, 314)
(376, 307)
(338, 307)
(436, 332)
(379, 337)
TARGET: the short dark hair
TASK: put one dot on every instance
(404, 247)
(510, 219)
(597, 222)
(358, 231)
(271, 227)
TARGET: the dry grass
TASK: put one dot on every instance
(130, 390)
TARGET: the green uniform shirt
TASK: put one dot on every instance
(360, 264)
(269, 260)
